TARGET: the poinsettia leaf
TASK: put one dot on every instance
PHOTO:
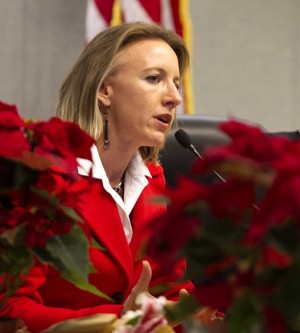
(15, 175)
(287, 293)
(203, 251)
(91, 268)
(213, 236)
(159, 199)
(245, 314)
(285, 236)
(15, 263)
(194, 270)
(72, 250)
(133, 321)
(182, 309)
(45, 195)
(34, 160)
(69, 212)
(69, 250)
(159, 288)
(296, 325)
(68, 253)
(267, 276)
(97, 245)
(83, 284)
(15, 259)
(44, 255)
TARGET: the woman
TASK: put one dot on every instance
(123, 90)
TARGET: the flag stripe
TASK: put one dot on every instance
(133, 10)
(94, 22)
(187, 36)
(175, 7)
(167, 19)
(116, 14)
(105, 9)
(153, 8)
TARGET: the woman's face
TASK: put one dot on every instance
(143, 94)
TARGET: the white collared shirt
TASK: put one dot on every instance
(134, 182)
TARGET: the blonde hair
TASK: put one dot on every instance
(78, 94)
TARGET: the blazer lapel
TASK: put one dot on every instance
(101, 214)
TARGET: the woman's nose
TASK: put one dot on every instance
(172, 96)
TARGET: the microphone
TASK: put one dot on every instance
(185, 141)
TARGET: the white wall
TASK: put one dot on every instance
(246, 60)
(39, 41)
(246, 56)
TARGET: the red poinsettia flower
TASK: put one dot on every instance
(39, 227)
(11, 218)
(223, 264)
(12, 137)
(171, 236)
(289, 162)
(245, 247)
(65, 189)
(192, 190)
(62, 142)
(274, 321)
(232, 199)
(218, 295)
(277, 205)
(170, 232)
(252, 142)
(272, 256)
(40, 187)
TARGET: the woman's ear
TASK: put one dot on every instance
(104, 94)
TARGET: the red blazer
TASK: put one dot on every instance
(44, 298)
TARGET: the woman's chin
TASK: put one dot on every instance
(156, 139)
(159, 141)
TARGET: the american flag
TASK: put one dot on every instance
(171, 14)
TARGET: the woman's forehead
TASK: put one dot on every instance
(147, 51)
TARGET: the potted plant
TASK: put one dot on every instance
(240, 236)
(37, 219)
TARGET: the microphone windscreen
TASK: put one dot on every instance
(183, 138)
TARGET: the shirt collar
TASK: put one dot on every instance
(136, 168)
(135, 180)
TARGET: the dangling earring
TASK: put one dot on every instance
(105, 129)
(104, 110)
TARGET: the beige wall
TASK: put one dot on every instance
(247, 60)
(246, 56)
(39, 41)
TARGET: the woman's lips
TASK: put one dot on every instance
(164, 119)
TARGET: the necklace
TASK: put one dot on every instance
(118, 188)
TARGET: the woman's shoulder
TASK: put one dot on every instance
(155, 169)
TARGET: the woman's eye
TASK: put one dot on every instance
(153, 78)
(178, 86)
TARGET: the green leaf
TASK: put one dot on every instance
(159, 288)
(245, 314)
(68, 253)
(160, 199)
(83, 284)
(69, 212)
(181, 310)
(97, 245)
(134, 321)
(72, 250)
(287, 293)
(285, 236)
(15, 175)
